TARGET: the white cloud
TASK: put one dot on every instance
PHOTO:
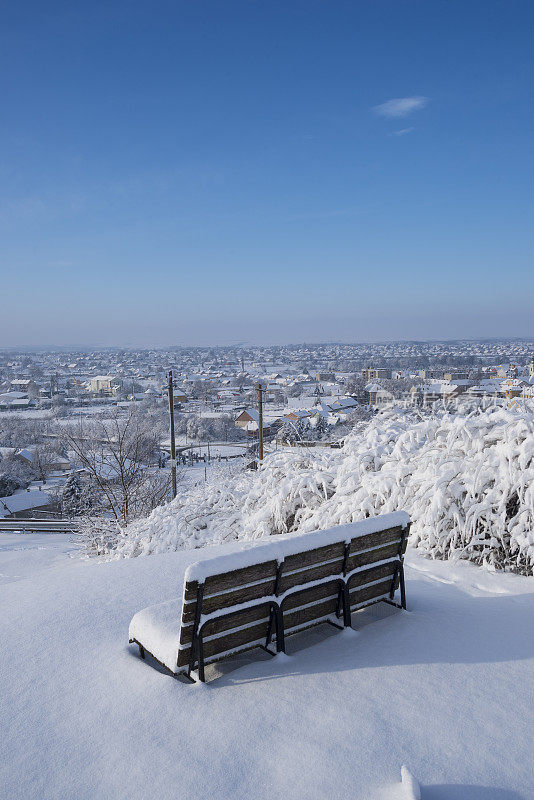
(402, 132)
(400, 106)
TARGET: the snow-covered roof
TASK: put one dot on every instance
(9, 397)
(299, 413)
(253, 413)
(26, 453)
(343, 403)
(437, 388)
(23, 501)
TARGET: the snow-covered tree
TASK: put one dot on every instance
(120, 457)
(77, 496)
(466, 479)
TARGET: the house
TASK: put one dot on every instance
(12, 401)
(60, 463)
(25, 385)
(24, 504)
(178, 394)
(343, 404)
(431, 392)
(453, 377)
(425, 374)
(105, 384)
(246, 417)
(503, 371)
(248, 421)
(296, 415)
(372, 374)
(378, 397)
(26, 454)
(513, 387)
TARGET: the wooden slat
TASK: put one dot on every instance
(372, 556)
(302, 615)
(358, 596)
(184, 656)
(312, 557)
(288, 581)
(375, 539)
(240, 577)
(186, 633)
(190, 590)
(230, 641)
(227, 622)
(311, 595)
(183, 661)
(372, 574)
(232, 580)
(242, 595)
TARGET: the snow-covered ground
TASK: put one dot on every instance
(446, 689)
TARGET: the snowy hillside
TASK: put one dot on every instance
(466, 481)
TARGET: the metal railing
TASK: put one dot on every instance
(38, 525)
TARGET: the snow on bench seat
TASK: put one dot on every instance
(157, 628)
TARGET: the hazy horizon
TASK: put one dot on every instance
(214, 345)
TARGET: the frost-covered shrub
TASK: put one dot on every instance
(466, 481)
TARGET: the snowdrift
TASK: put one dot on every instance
(467, 482)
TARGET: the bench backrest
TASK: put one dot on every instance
(233, 607)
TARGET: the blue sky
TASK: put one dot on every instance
(203, 172)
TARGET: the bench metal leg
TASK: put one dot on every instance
(280, 639)
(343, 607)
(276, 618)
(141, 651)
(334, 625)
(402, 588)
(347, 622)
(266, 649)
(399, 572)
(196, 644)
(269, 630)
(392, 603)
(201, 675)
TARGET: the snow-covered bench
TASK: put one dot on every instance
(250, 598)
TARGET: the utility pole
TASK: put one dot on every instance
(173, 443)
(260, 423)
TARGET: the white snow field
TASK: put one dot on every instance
(467, 482)
(445, 690)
